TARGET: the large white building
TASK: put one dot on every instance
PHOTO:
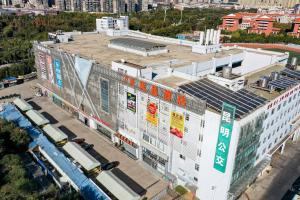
(209, 122)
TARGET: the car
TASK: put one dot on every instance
(289, 195)
(78, 140)
(296, 186)
(110, 165)
(87, 146)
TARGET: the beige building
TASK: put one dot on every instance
(267, 3)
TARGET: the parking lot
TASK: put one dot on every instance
(132, 172)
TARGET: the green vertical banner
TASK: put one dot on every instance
(225, 131)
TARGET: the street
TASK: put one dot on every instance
(285, 170)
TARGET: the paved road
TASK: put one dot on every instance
(133, 171)
(272, 186)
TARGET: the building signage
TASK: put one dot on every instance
(225, 131)
(50, 69)
(58, 75)
(152, 113)
(177, 124)
(131, 102)
(42, 65)
(154, 90)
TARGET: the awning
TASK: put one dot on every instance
(22, 104)
(37, 118)
(87, 161)
(54, 133)
(118, 188)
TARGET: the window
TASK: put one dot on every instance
(186, 130)
(279, 106)
(196, 167)
(182, 157)
(272, 111)
(200, 137)
(202, 123)
(104, 92)
(187, 116)
(152, 141)
(146, 137)
(199, 153)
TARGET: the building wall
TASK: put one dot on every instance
(214, 184)
(230, 24)
(280, 113)
(261, 60)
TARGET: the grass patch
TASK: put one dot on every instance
(180, 190)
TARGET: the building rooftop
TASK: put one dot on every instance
(136, 44)
(172, 81)
(254, 77)
(95, 47)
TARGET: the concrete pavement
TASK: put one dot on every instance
(103, 149)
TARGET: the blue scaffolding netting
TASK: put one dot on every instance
(88, 189)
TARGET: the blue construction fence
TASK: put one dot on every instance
(88, 189)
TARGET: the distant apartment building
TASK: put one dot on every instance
(256, 22)
(269, 3)
(109, 6)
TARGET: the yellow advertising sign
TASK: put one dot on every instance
(177, 124)
(152, 112)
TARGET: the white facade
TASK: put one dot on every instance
(113, 26)
(281, 113)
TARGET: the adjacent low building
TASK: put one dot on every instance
(257, 22)
(208, 121)
(295, 29)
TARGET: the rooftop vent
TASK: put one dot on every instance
(274, 76)
(227, 71)
(263, 81)
(293, 64)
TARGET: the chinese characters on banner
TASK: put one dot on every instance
(177, 124)
(225, 130)
(58, 76)
(131, 102)
(152, 113)
(50, 69)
